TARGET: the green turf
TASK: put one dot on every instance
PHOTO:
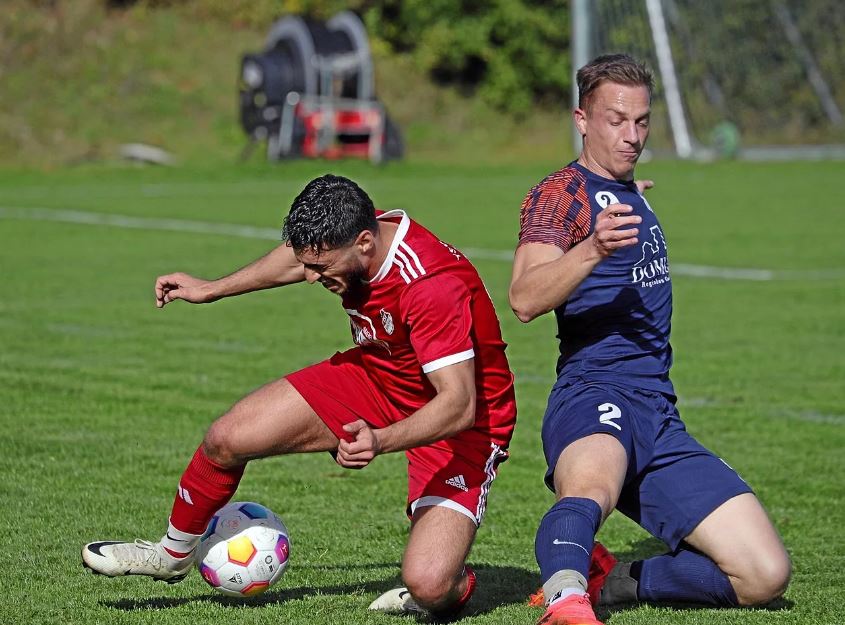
(103, 398)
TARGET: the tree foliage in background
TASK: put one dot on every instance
(511, 53)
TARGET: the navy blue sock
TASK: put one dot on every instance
(683, 576)
(565, 536)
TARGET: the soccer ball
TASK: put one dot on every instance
(244, 551)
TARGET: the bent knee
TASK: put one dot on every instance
(764, 580)
(218, 448)
(432, 589)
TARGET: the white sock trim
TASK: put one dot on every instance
(179, 541)
(564, 584)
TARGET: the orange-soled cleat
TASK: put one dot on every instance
(574, 610)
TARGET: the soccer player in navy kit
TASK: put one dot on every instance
(591, 249)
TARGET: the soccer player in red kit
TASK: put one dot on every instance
(428, 376)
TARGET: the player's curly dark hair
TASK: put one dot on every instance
(619, 68)
(329, 213)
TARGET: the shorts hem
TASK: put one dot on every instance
(430, 501)
(550, 470)
(680, 535)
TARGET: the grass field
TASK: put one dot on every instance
(103, 398)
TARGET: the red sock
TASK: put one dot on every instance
(469, 590)
(451, 612)
(205, 487)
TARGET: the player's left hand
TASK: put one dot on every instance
(361, 451)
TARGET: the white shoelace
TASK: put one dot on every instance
(137, 554)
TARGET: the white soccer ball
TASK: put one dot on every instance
(245, 549)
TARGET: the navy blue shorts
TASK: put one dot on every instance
(672, 482)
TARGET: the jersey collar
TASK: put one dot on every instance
(404, 224)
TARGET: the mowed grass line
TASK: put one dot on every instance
(103, 398)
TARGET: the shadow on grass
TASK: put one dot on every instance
(640, 550)
(605, 612)
(272, 597)
(497, 586)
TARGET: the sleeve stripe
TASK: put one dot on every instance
(434, 365)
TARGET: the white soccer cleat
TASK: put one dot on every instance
(115, 559)
(397, 601)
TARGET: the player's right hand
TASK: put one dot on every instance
(610, 234)
(182, 286)
(362, 450)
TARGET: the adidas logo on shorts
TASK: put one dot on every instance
(458, 482)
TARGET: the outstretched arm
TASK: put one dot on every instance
(276, 268)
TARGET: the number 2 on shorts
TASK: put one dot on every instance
(609, 412)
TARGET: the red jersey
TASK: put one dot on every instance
(427, 308)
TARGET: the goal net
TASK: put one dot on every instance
(760, 79)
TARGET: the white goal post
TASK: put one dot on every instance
(753, 79)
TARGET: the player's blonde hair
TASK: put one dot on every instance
(622, 69)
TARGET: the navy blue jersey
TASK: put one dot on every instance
(615, 326)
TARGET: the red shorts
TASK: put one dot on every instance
(455, 473)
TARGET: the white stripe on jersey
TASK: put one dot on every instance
(405, 261)
(402, 271)
(434, 365)
(407, 248)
